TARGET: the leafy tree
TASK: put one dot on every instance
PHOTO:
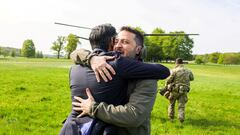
(13, 52)
(220, 59)
(214, 57)
(72, 44)
(59, 45)
(199, 60)
(28, 48)
(229, 58)
(168, 48)
(39, 54)
(181, 46)
(154, 47)
(9, 51)
(205, 58)
(5, 52)
(238, 57)
(1, 51)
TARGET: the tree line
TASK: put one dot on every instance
(15, 52)
(218, 58)
(167, 48)
(28, 48)
(9, 51)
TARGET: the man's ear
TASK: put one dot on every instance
(138, 50)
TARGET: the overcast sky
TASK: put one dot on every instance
(217, 21)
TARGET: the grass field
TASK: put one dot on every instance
(35, 99)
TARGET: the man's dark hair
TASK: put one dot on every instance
(179, 61)
(138, 35)
(101, 36)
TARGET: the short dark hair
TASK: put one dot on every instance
(138, 35)
(179, 61)
(101, 36)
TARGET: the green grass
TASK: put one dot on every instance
(35, 99)
(34, 95)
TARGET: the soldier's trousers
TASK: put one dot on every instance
(182, 100)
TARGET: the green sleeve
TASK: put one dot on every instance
(135, 112)
(81, 56)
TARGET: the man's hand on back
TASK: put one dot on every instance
(102, 68)
(83, 105)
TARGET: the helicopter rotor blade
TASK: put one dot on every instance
(81, 37)
(160, 34)
(72, 25)
(171, 34)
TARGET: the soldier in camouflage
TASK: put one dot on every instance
(177, 87)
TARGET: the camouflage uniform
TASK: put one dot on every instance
(178, 85)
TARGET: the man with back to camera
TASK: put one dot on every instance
(177, 87)
(112, 92)
(134, 117)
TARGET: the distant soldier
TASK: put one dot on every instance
(177, 87)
